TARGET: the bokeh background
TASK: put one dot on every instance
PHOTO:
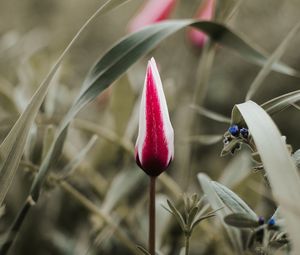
(33, 33)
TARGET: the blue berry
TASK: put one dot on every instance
(244, 132)
(261, 220)
(234, 130)
(271, 221)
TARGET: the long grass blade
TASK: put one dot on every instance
(205, 139)
(282, 102)
(210, 114)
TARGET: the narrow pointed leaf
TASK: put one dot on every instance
(177, 215)
(211, 115)
(198, 221)
(205, 139)
(280, 168)
(282, 102)
(241, 220)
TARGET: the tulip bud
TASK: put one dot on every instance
(154, 148)
(153, 11)
(205, 12)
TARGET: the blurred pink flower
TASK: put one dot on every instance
(152, 11)
(205, 12)
(154, 148)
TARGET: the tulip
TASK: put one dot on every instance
(153, 11)
(205, 12)
(154, 148)
(155, 143)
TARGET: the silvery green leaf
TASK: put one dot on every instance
(241, 220)
(278, 164)
(216, 203)
(233, 201)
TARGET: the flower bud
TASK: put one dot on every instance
(205, 12)
(153, 11)
(154, 148)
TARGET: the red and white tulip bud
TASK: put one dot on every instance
(154, 148)
(205, 12)
(153, 11)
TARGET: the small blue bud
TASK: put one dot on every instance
(271, 221)
(244, 132)
(234, 130)
(261, 220)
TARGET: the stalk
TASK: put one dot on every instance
(187, 245)
(152, 215)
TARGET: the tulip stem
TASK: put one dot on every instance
(187, 244)
(152, 215)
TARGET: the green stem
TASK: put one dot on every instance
(187, 245)
(152, 215)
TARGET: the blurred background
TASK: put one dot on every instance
(34, 33)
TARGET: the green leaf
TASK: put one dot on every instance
(216, 203)
(232, 200)
(280, 168)
(177, 215)
(12, 148)
(205, 139)
(211, 115)
(241, 220)
(282, 102)
(272, 59)
(198, 221)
